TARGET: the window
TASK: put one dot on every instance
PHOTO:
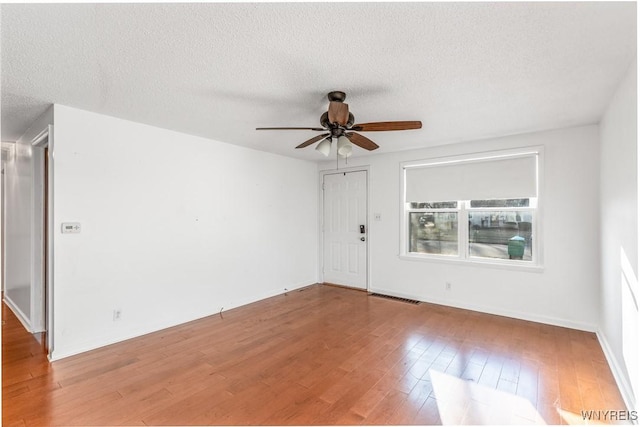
(473, 209)
(501, 229)
(433, 228)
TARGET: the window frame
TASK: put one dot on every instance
(464, 209)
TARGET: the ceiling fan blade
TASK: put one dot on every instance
(338, 112)
(291, 128)
(361, 141)
(384, 126)
(312, 140)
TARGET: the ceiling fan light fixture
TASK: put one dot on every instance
(325, 146)
(344, 146)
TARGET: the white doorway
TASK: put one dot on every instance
(7, 151)
(42, 238)
(345, 228)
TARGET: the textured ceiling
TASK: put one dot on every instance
(467, 70)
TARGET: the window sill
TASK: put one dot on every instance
(510, 265)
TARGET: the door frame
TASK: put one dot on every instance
(367, 170)
(3, 195)
(42, 257)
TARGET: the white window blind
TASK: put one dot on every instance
(493, 178)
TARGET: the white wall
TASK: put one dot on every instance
(619, 230)
(18, 225)
(566, 291)
(174, 228)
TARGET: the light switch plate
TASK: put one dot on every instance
(70, 227)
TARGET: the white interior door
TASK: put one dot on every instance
(345, 229)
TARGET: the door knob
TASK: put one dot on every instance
(362, 238)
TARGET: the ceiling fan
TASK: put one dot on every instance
(337, 122)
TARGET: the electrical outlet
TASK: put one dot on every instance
(117, 314)
(447, 286)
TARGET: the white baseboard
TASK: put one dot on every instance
(548, 320)
(265, 295)
(618, 373)
(103, 341)
(19, 314)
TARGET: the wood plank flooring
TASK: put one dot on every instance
(321, 355)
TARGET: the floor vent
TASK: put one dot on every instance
(407, 300)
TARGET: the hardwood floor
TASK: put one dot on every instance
(320, 355)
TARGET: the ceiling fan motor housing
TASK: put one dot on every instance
(324, 120)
